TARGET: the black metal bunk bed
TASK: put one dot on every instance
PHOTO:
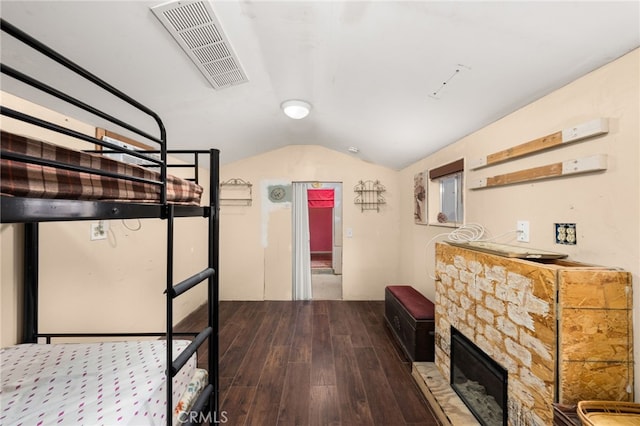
(32, 211)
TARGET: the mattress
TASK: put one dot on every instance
(107, 383)
(21, 179)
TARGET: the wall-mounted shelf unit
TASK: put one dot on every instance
(235, 192)
(369, 195)
(566, 136)
(594, 163)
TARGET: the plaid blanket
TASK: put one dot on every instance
(21, 179)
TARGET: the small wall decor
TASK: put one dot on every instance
(420, 198)
(279, 193)
(369, 195)
(235, 192)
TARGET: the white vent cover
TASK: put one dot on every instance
(197, 30)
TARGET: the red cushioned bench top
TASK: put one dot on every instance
(418, 306)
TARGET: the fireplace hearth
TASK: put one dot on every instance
(480, 382)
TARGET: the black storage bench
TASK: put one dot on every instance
(410, 316)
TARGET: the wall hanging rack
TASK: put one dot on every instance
(369, 195)
(235, 192)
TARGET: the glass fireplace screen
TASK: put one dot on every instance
(479, 380)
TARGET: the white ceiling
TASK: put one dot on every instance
(370, 69)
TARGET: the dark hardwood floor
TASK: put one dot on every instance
(312, 363)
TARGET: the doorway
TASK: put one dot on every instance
(318, 241)
(321, 235)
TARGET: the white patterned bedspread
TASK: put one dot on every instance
(108, 383)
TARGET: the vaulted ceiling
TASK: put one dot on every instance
(374, 72)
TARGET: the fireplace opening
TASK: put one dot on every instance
(479, 380)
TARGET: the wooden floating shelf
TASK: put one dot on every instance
(572, 134)
(570, 167)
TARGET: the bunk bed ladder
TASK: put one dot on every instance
(209, 396)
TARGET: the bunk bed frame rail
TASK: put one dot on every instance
(52, 54)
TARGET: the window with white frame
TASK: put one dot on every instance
(446, 194)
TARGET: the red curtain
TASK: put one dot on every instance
(320, 197)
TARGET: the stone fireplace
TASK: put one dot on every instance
(561, 330)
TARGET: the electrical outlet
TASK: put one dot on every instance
(522, 229)
(99, 230)
(566, 233)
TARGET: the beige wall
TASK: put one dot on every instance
(97, 286)
(256, 240)
(605, 206)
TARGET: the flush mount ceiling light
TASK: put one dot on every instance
(296, 109)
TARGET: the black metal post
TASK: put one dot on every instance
(30, 283)
(214, 246)
(169, 303)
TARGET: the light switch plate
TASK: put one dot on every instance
(522, 227)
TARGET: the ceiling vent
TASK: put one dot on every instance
(197, 30)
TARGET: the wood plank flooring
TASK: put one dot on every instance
(312, 363)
